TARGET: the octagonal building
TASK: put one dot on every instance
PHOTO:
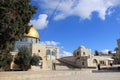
(48, 54)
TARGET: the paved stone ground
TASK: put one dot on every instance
(92, 76)
(60, 75)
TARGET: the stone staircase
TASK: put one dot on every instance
(64, 64)
(61, 66)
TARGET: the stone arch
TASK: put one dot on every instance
(41, 62)
(95, 61)
(77, 58)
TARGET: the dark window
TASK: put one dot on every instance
(53, 53)
(47, 52)
(36, 40)
(20, 39)
(82, 63)
(83, 53)
(102, 62)
(77, 53)
(38, 50)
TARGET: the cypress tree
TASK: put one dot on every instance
(14, 18)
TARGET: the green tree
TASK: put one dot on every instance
(116, 58)
(14, 18)
(96, 53)
(116, 49)
(109, 52)
(5, 60)
(35, 60)
(23, 58)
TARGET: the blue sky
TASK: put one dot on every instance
(68, 24)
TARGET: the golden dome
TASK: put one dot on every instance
(32, 33)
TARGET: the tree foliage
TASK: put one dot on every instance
(116, 58)
(5, 60)
(116, 49)
(35, 60)
(14, 18)
(96, 53)
(109, 52)
(23, 58)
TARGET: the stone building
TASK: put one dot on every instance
(48, 54)
(117, 54)
(84, 58)
(118, 48)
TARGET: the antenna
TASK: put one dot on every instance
(55, 10)
(51, 16)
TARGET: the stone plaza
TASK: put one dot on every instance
(76, 74)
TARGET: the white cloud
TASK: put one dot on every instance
(110, 11)
(81, 8)
(51, 43)
(62, 47)
(65, 53)
(41, 22)
(105, 51)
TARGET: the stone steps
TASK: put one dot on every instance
(60, 65)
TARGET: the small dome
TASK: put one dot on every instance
(32, 33)
(81, 47)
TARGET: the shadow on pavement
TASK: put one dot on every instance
(110, 69)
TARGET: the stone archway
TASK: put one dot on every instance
(77, 58)
(95, 61)
(41, 62)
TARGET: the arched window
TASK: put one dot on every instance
(40, 62)
(78, 53)
(83, 53)
(83, 63)
(48, 52)
(54, 53)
